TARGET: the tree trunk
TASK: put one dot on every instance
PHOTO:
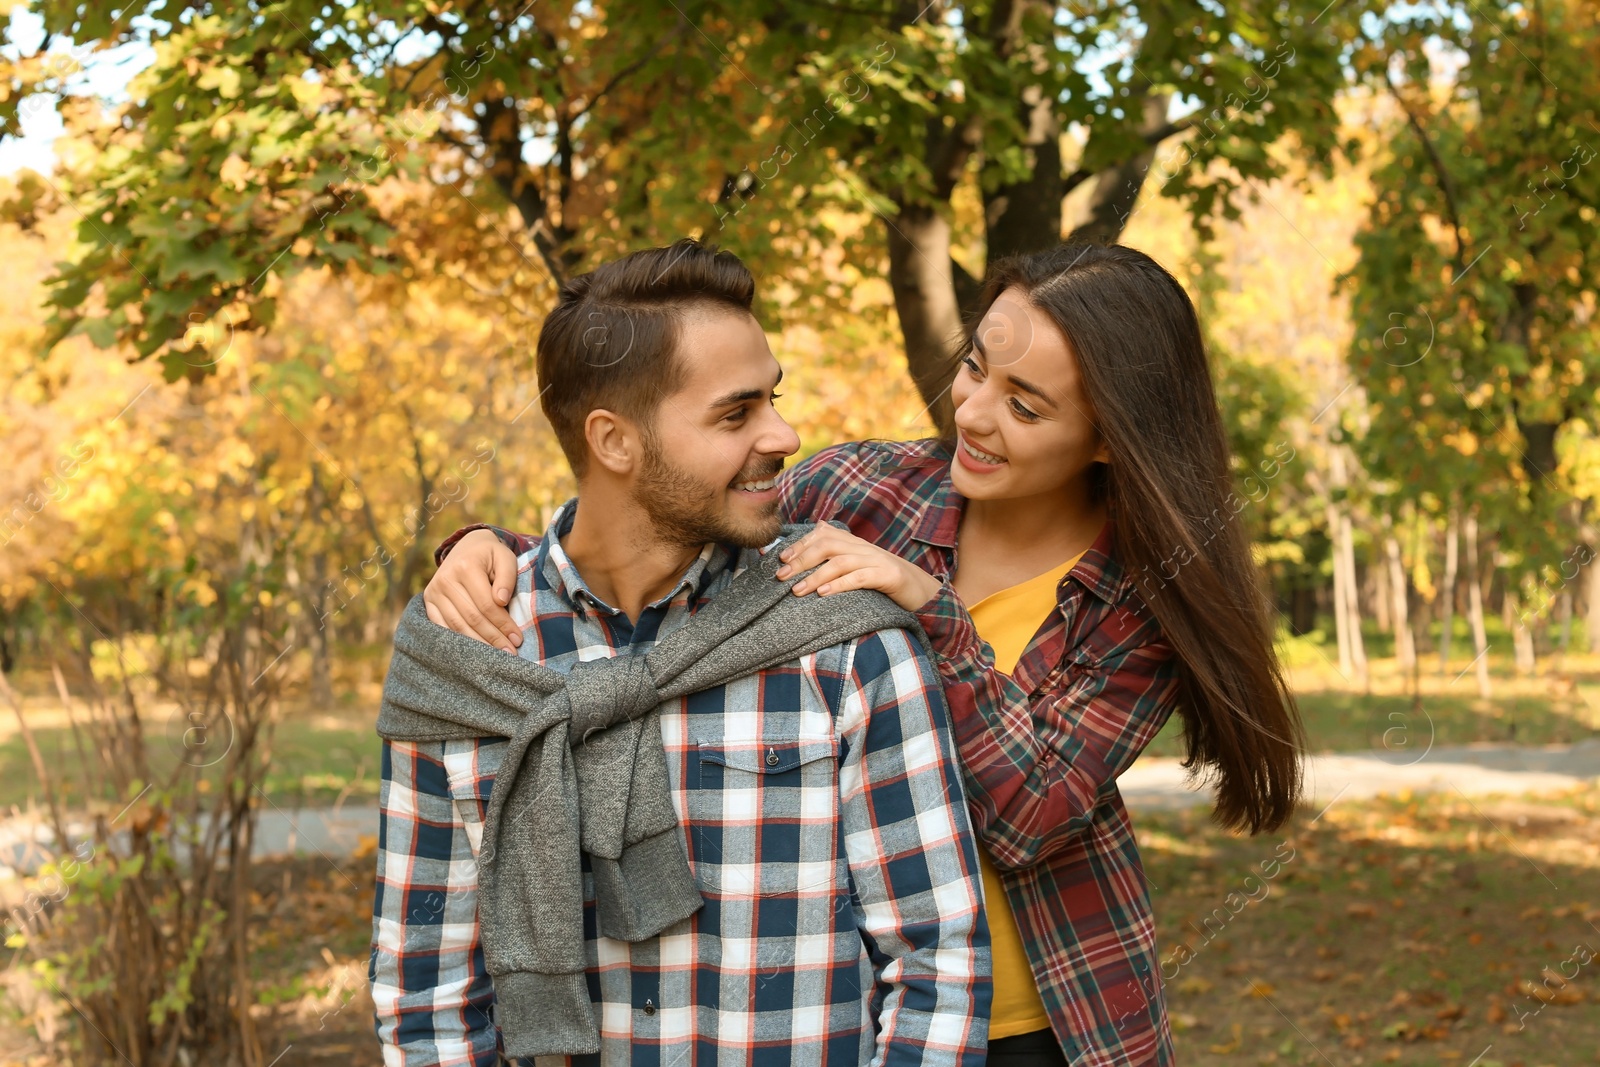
(1347, 606)
(1341, 595)
(318, 627)
(1522, 620)
(1593, 614)
(1405, 653)
(1480, 637)
(1302, 610)
(1358, 649)
(925, 300)
(1564, 613)
(1382, 602)
(1447, 592)
(1026, 216)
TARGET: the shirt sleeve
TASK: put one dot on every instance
(516, 542)
(817, 488)
(1036, 768)
(913, 859)
(431, 991)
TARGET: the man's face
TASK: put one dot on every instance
(718, 444)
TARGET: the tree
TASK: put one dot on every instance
(255, 141)
(1479, 272)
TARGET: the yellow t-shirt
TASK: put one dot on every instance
(1008, 620)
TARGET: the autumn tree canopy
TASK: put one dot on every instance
(254, 143)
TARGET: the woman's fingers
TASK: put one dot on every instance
(849, 571)
(820, 544)
(451, 617)
(463, 594)
(503, 581)
(480, 617)
(461, 597)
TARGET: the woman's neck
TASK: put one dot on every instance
(1056, 525)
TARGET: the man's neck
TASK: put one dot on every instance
(614, 546)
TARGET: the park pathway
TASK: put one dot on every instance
(1151, 784)
(1473, 770)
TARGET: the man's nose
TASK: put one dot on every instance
(778, 438)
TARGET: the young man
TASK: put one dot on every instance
(819, 800)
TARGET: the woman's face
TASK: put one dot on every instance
(1024, 424)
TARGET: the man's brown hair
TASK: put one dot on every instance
(612, 340)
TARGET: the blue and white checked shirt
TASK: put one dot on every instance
(825, 823)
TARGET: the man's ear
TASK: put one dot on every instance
(614, 440)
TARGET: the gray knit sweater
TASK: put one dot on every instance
(585, 771)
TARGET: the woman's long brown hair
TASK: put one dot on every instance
(1168, 488)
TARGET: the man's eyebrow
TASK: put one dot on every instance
(741, 395)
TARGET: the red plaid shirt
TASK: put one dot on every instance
(1041, 749)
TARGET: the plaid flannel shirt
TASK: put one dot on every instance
(825, 824)
(1041, 749)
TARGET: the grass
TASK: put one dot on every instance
(1559, 705)
(319, 755)
(322, 755)
(1424, 930)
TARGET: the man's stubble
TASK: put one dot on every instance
(684, 510)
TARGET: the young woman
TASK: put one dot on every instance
(1075, 557)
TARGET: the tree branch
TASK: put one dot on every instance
(1446, 186)
(1151, 138)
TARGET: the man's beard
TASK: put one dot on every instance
(685, 511)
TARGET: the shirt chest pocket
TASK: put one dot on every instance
(764, 817)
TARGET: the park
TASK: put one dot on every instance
(277, 272)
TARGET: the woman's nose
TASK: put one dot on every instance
(975, 412)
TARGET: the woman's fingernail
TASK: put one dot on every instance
(783, 571)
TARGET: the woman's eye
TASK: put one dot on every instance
(971, 364)
(1017, 406)
(775, 396)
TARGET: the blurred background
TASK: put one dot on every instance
(274, 271)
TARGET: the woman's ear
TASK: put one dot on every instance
(1102, 454)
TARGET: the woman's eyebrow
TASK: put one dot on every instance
(1021, 383)
(1029, 387)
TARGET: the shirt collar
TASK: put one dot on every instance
(1098, 570)
(939, 520)
(562, 575)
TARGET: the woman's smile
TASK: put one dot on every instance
(976, 459)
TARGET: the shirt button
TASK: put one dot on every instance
(649, 1007)
(772, 757)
